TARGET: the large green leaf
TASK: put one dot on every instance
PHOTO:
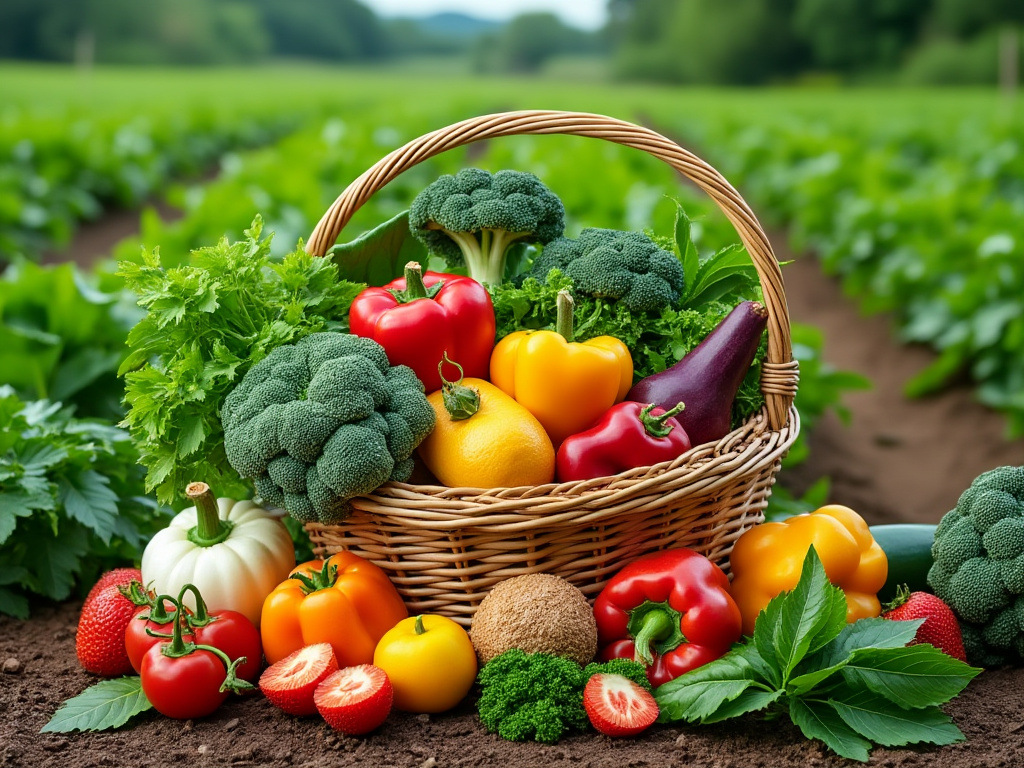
(108, 704)
(380, 255)
(865, 633)
(812, 615)
(698, 694)
(88, 499)
(918, 676)
(879, 719)
(818, 720)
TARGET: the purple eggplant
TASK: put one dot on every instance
(707, 379)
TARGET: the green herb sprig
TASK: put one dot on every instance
(846, 684)
(207, 323)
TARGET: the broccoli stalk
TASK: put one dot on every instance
(473, 218)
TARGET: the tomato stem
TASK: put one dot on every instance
(201, 617)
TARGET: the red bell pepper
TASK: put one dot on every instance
(417, 318)
(669, 610)
(628, 435)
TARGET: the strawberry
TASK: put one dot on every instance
(617, 706)
(117, 577)
(289, 684)
(940, 626)
(355, 700)
(99, 643)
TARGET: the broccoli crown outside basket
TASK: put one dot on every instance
(979, 566)
(625, 266)
(320, 421)
(472, 217)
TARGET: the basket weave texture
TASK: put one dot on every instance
(444, 548)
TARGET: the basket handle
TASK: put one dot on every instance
(779, 374)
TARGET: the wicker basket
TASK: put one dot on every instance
(444, 548)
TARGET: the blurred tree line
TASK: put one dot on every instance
(676, 41)
(758, 41)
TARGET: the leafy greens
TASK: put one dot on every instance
(846, 684)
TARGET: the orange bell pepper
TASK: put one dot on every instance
(567, 385)
(766, 560)
(345, 600)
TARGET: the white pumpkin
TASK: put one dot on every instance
(234, 569)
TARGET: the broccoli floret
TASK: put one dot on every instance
(537, 696)
(979, 566)
(473, 217)
(321, 421)
(627, 267)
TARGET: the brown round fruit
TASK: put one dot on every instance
(536, 613)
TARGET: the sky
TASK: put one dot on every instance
(587, 14)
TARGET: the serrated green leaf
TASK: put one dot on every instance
(87, 498)
(13, 604)
(15, 504)
(863, 633)
(699, 693)
(915, 676)
(108, 704)
(379, 256)
(751, 700)
(882, 721)
(765, 627)
(807, 615)
(818, 720)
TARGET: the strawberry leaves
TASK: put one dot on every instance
(847, 685)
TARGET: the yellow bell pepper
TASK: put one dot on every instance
(567, 385)
(430, 662)
(767, 559)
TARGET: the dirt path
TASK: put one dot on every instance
(899, 460)
(40, 671)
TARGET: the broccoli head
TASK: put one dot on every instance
(320, 421)
(979, 566)
(538, 696)
(473, 217)
(627, 267)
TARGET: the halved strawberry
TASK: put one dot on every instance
(290, 683)
(355, 700)
(617, 706)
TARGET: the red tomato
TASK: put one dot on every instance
(184, 687)
(137, 641)
(234, 634)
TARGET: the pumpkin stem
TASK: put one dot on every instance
(209, 528)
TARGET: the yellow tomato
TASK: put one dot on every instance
(430, 662)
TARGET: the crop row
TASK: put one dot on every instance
(919, 218)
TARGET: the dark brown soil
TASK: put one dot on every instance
(249, 731)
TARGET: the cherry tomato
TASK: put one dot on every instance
(183, 687)
(136, 641)
(234, 634)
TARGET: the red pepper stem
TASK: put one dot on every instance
(201, 616)
(655, 426)
(209, 529)
(563, 320)
(414, 286)
(461, 402)
(418, 626)
(656, 626)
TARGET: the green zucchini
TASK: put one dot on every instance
(908, 548)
